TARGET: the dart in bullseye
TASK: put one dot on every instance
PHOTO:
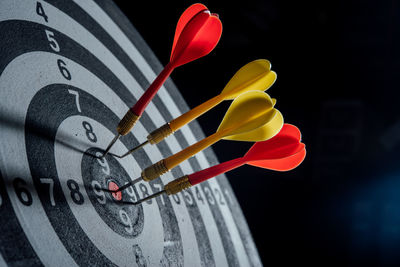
(283, 152)
(256, 75)
(250, 117)
(197, 33)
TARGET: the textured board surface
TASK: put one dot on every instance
(68, 71)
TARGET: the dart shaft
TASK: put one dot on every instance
(116, 137)
(148, 95)
(149, 197)
(190, 151)
(203, 175)
(159, 168)
(194, 113)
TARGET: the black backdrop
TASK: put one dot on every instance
(337, 64)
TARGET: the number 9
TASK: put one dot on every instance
(126, 220)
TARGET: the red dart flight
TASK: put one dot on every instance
(283, 152)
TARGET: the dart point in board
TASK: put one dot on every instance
(255, 75)
(197, 33)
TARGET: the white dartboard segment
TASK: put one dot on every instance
(69, 70)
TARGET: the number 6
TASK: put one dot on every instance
(64, 71)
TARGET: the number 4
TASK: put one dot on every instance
(40, 11)
(51, 189)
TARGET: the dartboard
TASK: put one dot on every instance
(69, 70)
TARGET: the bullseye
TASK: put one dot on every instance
(112, 186)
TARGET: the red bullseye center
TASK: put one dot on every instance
(112, 187)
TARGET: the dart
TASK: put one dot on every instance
(243, 121)
(197, 33)
(256, 75)
(283, 152)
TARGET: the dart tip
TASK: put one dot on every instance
(149, 197)
(116, 137)
(131, 151)
(125, 186)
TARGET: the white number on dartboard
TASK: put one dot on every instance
(126, 221)
(52, 42)
(228, 196)
(62, 66)
(176, 198)
(40, 11)
(209, 195)
(198, 195)
(160, 187)
(218, 196)
(103, 163)
(76, 94)
(145, 193)
(50, 182)
(188, 197)
(131, 192)
(101, 197)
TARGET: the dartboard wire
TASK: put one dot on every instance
(115, 32)
(108, 59)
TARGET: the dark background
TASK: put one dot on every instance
(337, 64)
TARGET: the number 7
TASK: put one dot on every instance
(73, 92)
(51, 188)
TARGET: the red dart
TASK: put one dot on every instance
(197, 33)
(283, 152)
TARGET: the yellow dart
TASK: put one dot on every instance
(251, 117)
(256, 75)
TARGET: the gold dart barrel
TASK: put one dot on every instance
(154, 171)
(160, 134)
(177, 185)
(127, 122)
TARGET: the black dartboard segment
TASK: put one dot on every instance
(68, 72)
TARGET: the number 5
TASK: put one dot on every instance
(53, 43)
